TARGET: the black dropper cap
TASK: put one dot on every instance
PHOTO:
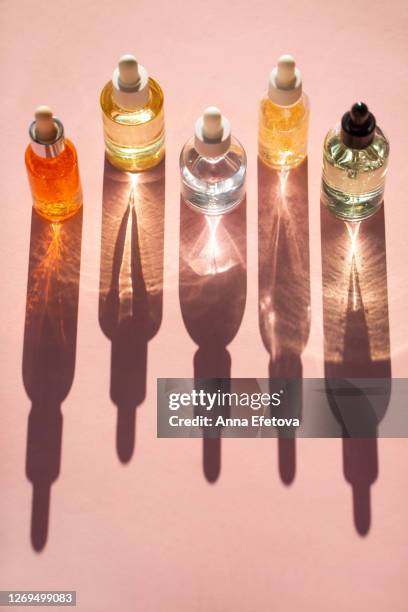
(358, 127)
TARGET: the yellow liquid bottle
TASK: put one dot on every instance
(133, 117)
(284, 118)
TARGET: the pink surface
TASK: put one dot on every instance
(142, 528)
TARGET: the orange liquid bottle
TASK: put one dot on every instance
(52, 166)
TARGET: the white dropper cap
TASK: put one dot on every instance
(285, 82)
(212, 136)
(130, 84)
(46, 133)
(45, 126)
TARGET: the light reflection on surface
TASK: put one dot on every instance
(212, 273)
(49, 354)
(284, 276)
(125, 280)
(357, 346)
(284, 291)
(212, 291)
(134, 178)
(355, 280)
(353, 230)
(213, 249)
(47, 267)
(133, 241)
(131, 285)
(54, 254)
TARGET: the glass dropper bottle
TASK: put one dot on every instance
(52, 167)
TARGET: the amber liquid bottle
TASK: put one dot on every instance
(52, 166)
(284, 118)
(133, 117)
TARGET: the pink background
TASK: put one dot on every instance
(150, 532)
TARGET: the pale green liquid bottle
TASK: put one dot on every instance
(355, 160)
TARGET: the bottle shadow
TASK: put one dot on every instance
(212, 292)
(49, 354)
(131, 286)
(356, 345)
(284, 291)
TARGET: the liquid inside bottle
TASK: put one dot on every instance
(133, 118)
(353, 178)
(213, 170)
(52, 167)
(284, 118)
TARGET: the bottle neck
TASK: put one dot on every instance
(357, 135)
(48, 149)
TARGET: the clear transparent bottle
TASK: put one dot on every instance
(284, 117)
(133, 117)
(213, 166)
(355, 161)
